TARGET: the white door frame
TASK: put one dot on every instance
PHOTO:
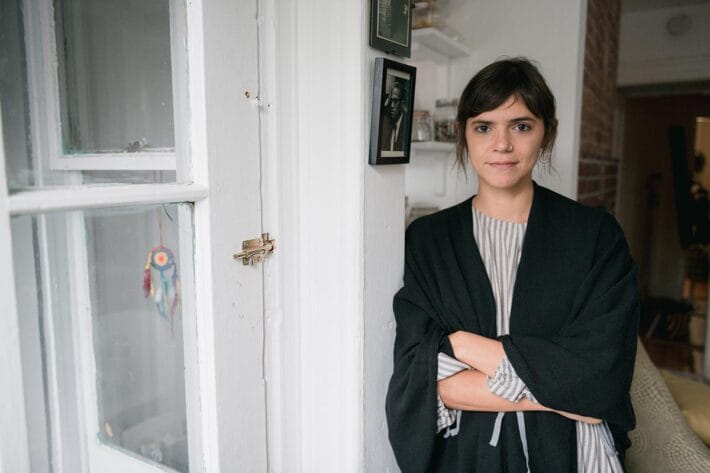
(221, 102)
(314, 177)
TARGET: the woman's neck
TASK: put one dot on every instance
(505, 204)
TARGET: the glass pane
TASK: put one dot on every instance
(115, 87)
(137, 334)
(126, 279)
(115, 75)
(13, 95)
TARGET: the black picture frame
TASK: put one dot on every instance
(392, 111)
(391, 26)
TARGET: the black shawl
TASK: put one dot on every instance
(572, 340)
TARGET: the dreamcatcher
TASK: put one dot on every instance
(160, 278)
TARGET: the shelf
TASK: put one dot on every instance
(437, 42)
(434, 147)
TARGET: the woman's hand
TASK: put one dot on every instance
(577, 417)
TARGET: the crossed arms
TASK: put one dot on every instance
(468, 389)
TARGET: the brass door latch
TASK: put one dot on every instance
(255, 250)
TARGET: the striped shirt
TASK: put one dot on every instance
(500, 244)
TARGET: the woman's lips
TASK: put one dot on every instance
(503, 164)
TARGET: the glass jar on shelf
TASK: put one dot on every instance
(422, 126)
(425, 14)
(445, 120)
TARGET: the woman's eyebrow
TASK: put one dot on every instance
(512, 120)
(521, 119)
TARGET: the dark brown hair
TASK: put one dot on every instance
(496, 83)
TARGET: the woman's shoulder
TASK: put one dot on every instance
(564, 207)
(577, 218)
(443, 220)
(429, 232)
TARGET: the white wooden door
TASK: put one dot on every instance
(129, 175)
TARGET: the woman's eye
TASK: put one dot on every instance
(522, 127)
(482, 128)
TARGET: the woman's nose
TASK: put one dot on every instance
(503, 143)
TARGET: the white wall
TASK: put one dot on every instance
(648, 54)
(550, 32)
(384, 262)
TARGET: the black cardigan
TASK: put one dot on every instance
(573, 327)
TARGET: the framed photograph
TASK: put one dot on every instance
(391, 26)
(392, 103)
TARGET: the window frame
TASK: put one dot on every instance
(72, 196)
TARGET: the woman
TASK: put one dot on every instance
(517, 322)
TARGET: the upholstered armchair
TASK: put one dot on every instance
(662, 441)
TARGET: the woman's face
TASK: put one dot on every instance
(504, 145)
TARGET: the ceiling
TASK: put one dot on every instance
(640, 5)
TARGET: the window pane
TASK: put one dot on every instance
(126, 280)
(13, 95)
(115, 75)
(115, 84)
(138, 336)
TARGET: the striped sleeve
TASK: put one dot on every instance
(447, 366)
(595, 449)
(506, 383)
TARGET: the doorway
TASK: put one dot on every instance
(673, 272)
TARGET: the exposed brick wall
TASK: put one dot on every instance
(598, 167)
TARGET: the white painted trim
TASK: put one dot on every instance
(83, 335)
(280, 190)
(204, 326)
(331, 157)
(38, 24)
(87, 197)
(117, 460)
(190, 337)
(14, 448)
(275, 343)
(153, 161)
(55, 412)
